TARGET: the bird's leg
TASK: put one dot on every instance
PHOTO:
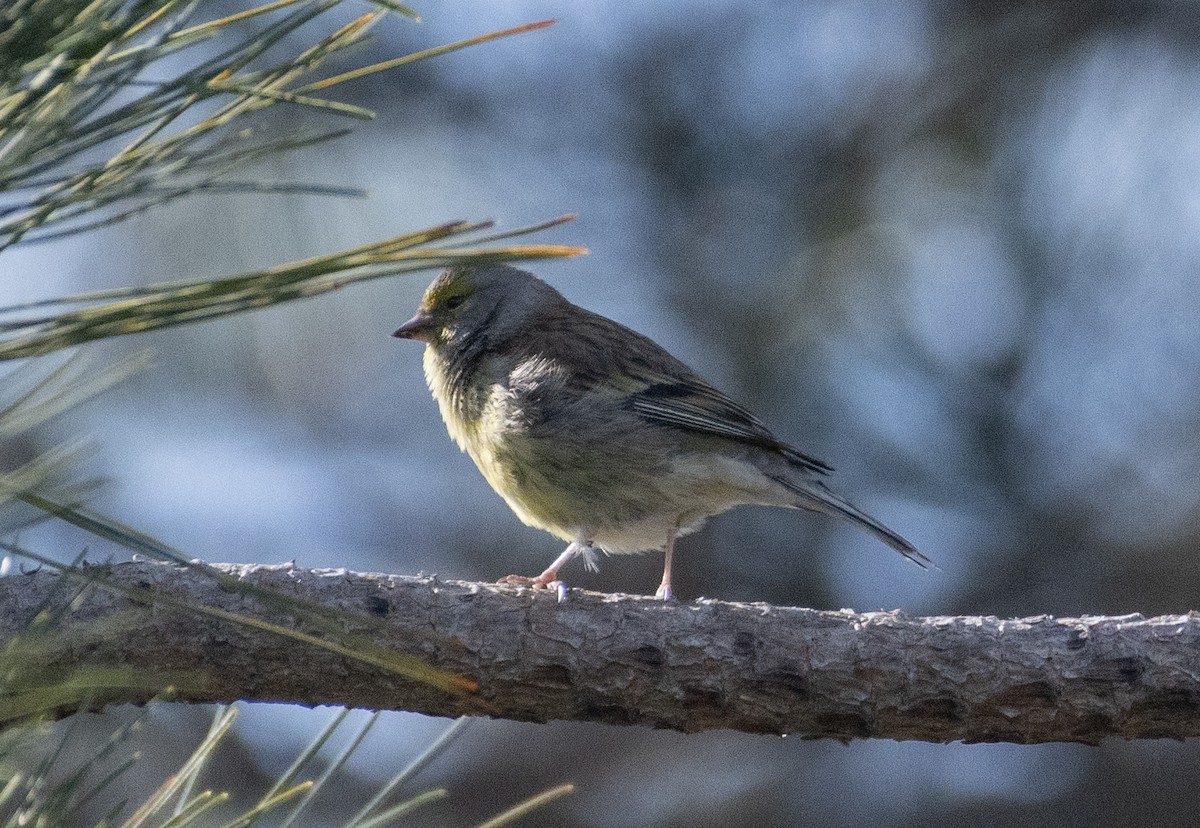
(551, 573)
(664, 589)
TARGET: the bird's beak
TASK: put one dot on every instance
(419, 327)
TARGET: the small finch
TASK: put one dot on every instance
(592, 431)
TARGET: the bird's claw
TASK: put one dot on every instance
(519, 580)
(543, 581)
(540, 582)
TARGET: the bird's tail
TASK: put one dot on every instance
(816, 496)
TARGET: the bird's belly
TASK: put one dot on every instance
(569, 494)
(622, 501)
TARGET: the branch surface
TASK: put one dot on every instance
(624, 659)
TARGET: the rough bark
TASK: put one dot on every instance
(623, 659)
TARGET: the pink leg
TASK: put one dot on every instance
(551, 573)
(664, 589)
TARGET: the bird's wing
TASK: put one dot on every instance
(691, 403)
(598, 354)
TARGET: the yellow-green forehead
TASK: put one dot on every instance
(450, 283)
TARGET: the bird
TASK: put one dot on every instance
(592, 431)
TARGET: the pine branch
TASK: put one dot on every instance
(610, 658)
(109, 108)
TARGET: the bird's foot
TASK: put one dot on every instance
(547, 580)
(664, 593)
(540, 582)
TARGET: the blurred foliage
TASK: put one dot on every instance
(41, 794)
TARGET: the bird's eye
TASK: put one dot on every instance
(453, 302)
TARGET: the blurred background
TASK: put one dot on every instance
(950, 248)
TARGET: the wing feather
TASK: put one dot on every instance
(602, 354)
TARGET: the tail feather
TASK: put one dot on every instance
(816, 496)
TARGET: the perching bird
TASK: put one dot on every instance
(592, 431)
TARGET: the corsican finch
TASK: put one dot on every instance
(592, 431)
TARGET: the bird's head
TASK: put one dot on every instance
(466, 303)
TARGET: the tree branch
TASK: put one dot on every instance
(627, 660)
